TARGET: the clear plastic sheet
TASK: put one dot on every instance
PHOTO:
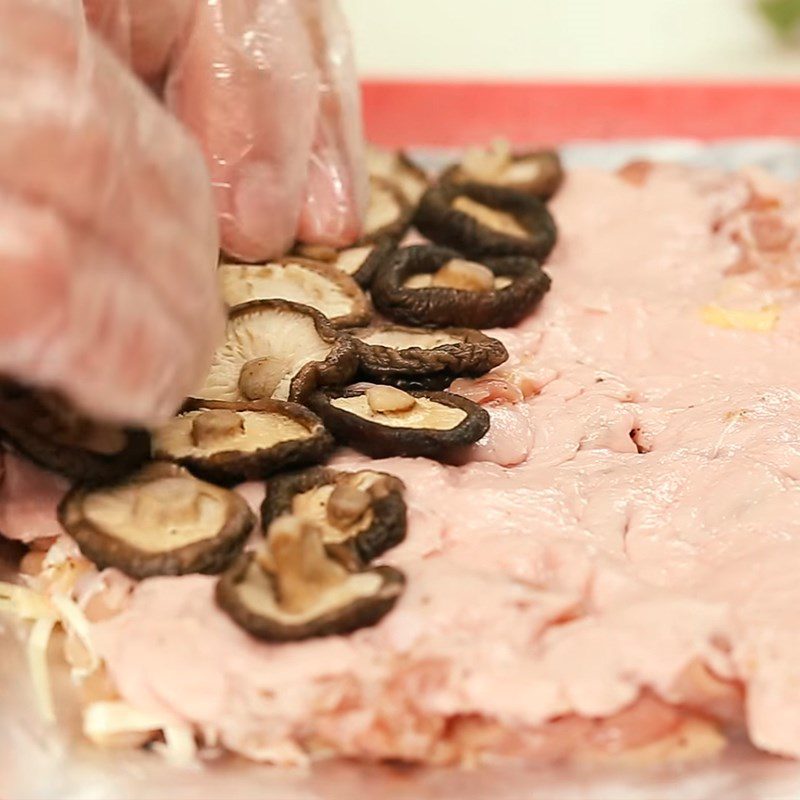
(107, 236)
(269, 89)
(38, 762)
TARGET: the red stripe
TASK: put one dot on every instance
(450, 114)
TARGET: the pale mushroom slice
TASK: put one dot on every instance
(398, 168)
(422, 357)
(388, 214)
(297, 590)
(228, 443)
(275, 349)
(461, 274)
(160, 521)
(359, 262)
(48, 430)
(535, 172)
(384, 421)
(313, 283)
(360, 514)
(500, 221)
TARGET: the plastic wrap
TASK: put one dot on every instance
(107, 234)
(268, 88)
(43, 761)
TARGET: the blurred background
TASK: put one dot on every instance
(422, 58)
(597, 39)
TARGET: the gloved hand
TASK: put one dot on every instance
(107, 234)
(268, 87)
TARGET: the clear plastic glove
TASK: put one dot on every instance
(107, 239)
(268, 87)
(107, 236)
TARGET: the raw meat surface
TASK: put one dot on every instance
(624, 542)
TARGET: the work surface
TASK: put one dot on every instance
(51, 765)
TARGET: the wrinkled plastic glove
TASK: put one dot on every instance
(269, 89)
(107, 236)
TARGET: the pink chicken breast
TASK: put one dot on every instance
(615, 567)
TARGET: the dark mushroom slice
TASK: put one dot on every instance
(277, 350)
(359, 262)
(434, 286)
(535, 172)
(228, 443)
(48, 430)
(483, 220)
(384, 421)
(160, 521)
(316, 284)
(297, 590)
(405, 356)
(437, 382)
(388, 214)
(362, 513)
(399, 169)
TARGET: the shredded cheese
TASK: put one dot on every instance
(74, 620)
(25, 603)
(37, 664)
(28, 604)
(104, 720)
(179, 747)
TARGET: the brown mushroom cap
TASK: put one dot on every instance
(312, 283)
(229, 443)
(298, 591)
(398, 168)
(359, 262)
(388, 213)
(363, 511)
(403, 290)
(397, 355)
(278, 350)
(484, 220)
(535, 172)
(45, 428)
(160, 521)
(383, 421)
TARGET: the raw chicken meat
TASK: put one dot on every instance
(614, 572)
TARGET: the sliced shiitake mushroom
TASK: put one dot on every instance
(297, 590)
(384, 421)
(536, 172)
(312, 283)
(277, 350)
(359, 262)
(48, 430)
(388, 213)
(362, 513)
(160, 521)
(405, 356)
(398, 168)
(483, 220)
(433, 286)
(229, 443)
